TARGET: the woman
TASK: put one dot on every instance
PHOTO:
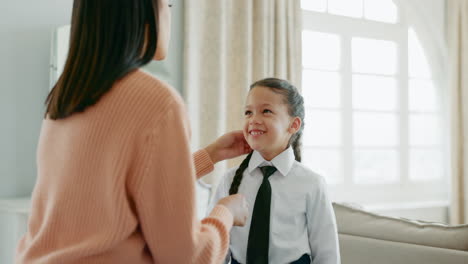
(116, 178)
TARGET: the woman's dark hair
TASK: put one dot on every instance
(109, 38)
(295, 103)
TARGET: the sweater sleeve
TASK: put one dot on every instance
(203, 163)
(165, 198)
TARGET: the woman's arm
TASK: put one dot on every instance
(203, 163)
(165, 199)
(228, 146)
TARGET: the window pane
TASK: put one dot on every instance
(424, 130)
(422, 95)
(374, 56)
(326, 162)
(425, 164)
(381, 10)
(376, 166)
(321, 89)
(418, 65)
(374, 92)
(322, 128)
(375, 129)
(351, 8)
(314, 5)
(320, 51)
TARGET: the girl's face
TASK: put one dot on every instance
(164, 30)
(268, 125)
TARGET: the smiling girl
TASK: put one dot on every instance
(291, 219)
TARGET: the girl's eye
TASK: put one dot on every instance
(247, 113)
(267, 111)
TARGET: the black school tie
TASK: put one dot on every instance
(259, 234)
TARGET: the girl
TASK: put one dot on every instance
(291, 219)
(116, 178)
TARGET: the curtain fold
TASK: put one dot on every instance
(457, 40)
(227, 46)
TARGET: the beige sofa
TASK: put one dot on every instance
(367, 238)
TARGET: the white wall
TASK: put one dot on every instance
(171, 68)
(25, 27)
(25, 34)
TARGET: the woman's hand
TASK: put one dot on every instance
(228, 146)
(237, 205)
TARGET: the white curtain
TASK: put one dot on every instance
(229, 44)
(457, 35)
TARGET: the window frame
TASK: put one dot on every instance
(405, 190)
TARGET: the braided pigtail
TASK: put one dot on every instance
(238, 176)
(297, 145)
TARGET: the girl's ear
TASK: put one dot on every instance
(295, 125)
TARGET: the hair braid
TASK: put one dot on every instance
(238, 176)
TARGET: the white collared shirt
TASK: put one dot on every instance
(302, 220)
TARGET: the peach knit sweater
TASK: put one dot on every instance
(116, 184)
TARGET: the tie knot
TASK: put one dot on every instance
(267, 171)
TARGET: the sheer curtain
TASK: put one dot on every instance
(229, 45)
(457, 35)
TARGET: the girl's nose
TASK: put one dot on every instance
(255, 119)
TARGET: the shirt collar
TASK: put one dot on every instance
(283, 162)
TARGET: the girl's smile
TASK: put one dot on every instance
(256, 133)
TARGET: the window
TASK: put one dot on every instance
(373, 124)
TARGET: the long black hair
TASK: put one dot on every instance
(109, 38)
(295, 103)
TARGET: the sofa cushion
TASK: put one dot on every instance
(355, 221)
(363, 250)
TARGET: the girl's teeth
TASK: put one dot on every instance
(256, 133)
